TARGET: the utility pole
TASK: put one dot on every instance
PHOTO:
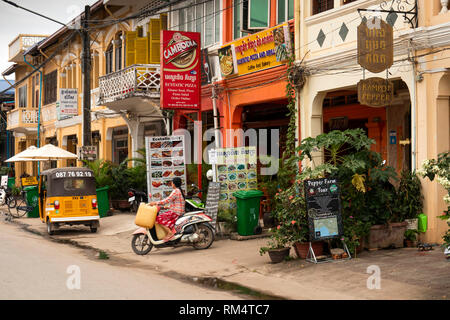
(86, 70)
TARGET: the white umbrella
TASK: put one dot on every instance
(22, 156)
(51, 152)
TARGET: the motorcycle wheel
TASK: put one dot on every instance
(206, 237)
(141, 244)
(134, 207)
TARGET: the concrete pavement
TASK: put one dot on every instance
(405, 273)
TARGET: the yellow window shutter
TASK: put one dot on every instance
(141, 45)
(163, 21)
(130, 55)
(154, 28)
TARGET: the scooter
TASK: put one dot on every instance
(135, 199)
(7, 198)
(192, 229)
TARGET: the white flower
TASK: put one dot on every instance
(447, 198)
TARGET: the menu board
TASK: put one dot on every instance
(165, 161)
(212, 201)
(236, 170)
(323, 203)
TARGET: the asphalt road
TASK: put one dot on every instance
(32, 267)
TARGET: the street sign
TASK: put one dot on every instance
(375, 92)
(323, 203)
(29, 181)
(4, 181)
(375, 45)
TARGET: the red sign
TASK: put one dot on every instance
(180, 70)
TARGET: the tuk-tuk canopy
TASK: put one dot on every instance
(69, 181)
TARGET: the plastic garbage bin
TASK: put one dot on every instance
(247, 211)
(32, 198)
(422, 223)
(11, 182)
(103, 201)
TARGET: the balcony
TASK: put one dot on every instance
(135, 88)
(22, 43)
(22, 120)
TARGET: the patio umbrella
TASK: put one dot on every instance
(51, 152)
(22, 156)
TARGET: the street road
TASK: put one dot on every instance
(35, 268)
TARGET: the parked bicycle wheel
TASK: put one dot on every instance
(11, 201)
(21, 209)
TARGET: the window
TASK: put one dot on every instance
(50, 87)
(348, 1)
(285, 10)
(237, 20)
(118, 55)
(322, 5)
(109, 59)
(35, 91)
(204, 17)
(23, 96)
(258, 14)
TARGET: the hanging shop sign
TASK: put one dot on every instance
(375, 92)
(68, 102)
(259, 51)
(4, 181)
(165, 161)
(236, 170)
(87, 153)
(323, 203)
(180, 70)
(29, 181)
(375, 45)
(206, 73)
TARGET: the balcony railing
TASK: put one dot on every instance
(139, 80)
(20, 44)
(22, 119)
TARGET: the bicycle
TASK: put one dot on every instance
(21, 207)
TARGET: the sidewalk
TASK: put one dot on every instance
(405, 273)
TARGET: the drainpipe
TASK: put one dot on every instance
(413, 115)
(39, 109)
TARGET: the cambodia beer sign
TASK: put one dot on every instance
(180, 70)
(375, 45)
(375, 92)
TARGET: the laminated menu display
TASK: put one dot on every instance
(236, 170)
(165, 161)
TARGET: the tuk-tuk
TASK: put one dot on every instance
(68, 196)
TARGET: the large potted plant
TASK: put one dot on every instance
(277, 246)
(409, 200)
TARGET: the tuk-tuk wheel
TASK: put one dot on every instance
(50, 228)
(93, 229)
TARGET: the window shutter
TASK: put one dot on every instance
(141, 50)
(154, 28)
(258, 14)
(130, 55)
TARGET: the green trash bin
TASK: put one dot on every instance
(11, 182)
(247, 211)
(422, 223)
(103, 201)
(32, 198)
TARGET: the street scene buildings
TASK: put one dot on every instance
(353, 93)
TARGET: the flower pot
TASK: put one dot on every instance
(278, 255)
(268, 220)
(410, 244)
(386, 236)
(302, 248)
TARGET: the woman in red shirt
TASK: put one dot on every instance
(176, 203)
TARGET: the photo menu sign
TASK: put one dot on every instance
(236, 170)
(165, 161)
(323, 203)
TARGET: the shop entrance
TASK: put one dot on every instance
(389, 126)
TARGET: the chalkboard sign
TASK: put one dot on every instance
(323, 203)
(212, 201)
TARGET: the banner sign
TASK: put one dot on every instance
(206, 71)
(256, 52)
(323, 203)
(29, 181)
(375, 92)
(212, 201)
(4, 181)
(236, 170)
(180, 70)
(375, 45)
(68, 102)
(165, 161)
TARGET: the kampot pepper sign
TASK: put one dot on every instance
(180, 70)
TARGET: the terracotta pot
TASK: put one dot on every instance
(386, 236)
(302, 248)
(278, 255)
(410, 244)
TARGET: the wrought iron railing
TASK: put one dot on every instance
(135, 80)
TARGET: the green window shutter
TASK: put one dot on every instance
(290, 9)
(236, 20)
(258, 14)
(130, 55)
(281, 11)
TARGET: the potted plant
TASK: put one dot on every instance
(409, 200)
(226, 222)
(411, 237)
(276, 246)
